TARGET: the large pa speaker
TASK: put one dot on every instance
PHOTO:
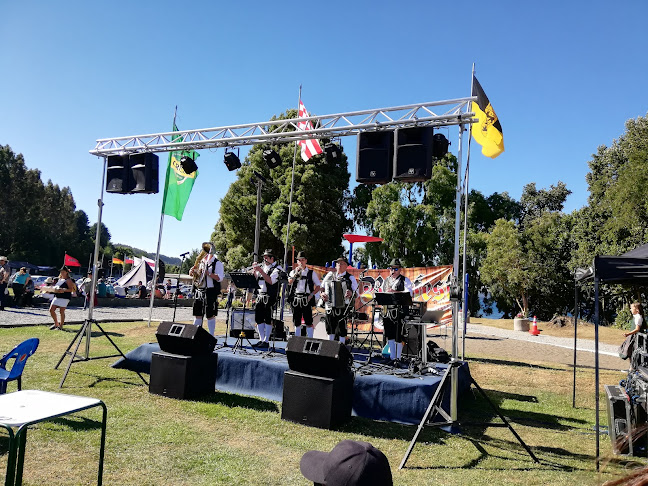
(182, 377)
(184, 339)
(374, 158)
(413, 154)
(317, 401)
(118, 174)
(144, 173)
(318, 357)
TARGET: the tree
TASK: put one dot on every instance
(319, 209)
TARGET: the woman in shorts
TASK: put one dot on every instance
(62, 295)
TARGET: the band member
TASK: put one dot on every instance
(268, 279)
(393, 314)
(304, 284)
(336, 314)
(207, 273)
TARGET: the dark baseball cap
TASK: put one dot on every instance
(350, 463)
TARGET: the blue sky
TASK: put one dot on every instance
(563, 80)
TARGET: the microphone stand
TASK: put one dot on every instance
(175, 295)
(228, 306)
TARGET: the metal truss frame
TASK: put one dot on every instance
(436, 113)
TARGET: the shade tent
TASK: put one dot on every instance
(629, 268)
(141, 272)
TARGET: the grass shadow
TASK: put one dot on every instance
(231, 400)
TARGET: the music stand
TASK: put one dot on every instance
(394, 298)
(243, 280)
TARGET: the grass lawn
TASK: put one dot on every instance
(230, 439)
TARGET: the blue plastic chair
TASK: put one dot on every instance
(20, 354)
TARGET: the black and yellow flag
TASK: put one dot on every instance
(488, 131)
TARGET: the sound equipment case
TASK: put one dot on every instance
(622, 422)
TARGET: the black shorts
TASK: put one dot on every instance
(206, 303)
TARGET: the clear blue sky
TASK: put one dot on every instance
(563, 79)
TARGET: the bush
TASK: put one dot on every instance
(624, 319)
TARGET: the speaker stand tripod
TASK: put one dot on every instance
(435, 406)
(86, 331)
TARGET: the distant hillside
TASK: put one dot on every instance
(138, 252)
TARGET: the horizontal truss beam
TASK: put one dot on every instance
(450, 112)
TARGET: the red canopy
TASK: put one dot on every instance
(361, 238)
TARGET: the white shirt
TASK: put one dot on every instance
(301, 285)
(206, 267)
(273, 273)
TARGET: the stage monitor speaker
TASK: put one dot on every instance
(318, 357)
(118, 174)
(413, 154)
(317, 401)
(184, 339)
(144, 172)
(375, 156)
(183, 377)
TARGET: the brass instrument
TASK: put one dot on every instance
(197, 271)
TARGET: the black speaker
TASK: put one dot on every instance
(182, 377)
(118, 174)
(184, 339)
(319, 357)
(375, 156)
(413, 154)
(439, 145)
(144, 170)
(317, 401)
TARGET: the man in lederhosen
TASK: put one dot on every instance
(267, 277)
(304, 284)
(336, 327)
(393, 314)
(207, 288)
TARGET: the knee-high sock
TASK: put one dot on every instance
(392, 348)
(198, 321)
(342, 339)
(261, 330)
(298, 330)
(268, 332)
(211, 325)
(309, 331)
(399, 350)
(331, 337)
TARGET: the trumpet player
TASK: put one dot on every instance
(393, 314)
(336, 315)
(304, 284)
(207, 273)
(268, 279)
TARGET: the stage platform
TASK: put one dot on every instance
(380, 391)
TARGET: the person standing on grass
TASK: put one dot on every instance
(20, 280)
(63, 293)
(638, 317)
(5, 273)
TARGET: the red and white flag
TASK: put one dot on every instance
(309, 148)
(71, 261)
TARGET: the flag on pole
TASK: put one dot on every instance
(309, 148)
(117, 261)
(487, 132)
(178, 183)
(129, 260)
(71, 261)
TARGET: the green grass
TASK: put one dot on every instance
(230, 439)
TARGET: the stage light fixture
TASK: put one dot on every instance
(439, 145)
(188, 165)
(232, 161)
(333, 153)
(271, 158)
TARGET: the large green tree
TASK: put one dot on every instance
(319, 213)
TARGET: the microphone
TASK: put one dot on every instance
(184, 254)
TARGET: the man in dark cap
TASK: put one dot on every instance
(336, 311)
(350, 463)
(393, 314)
(304, 284)
(267, 277)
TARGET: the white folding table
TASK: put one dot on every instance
(21, 409)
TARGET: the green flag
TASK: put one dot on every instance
(178, 183)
